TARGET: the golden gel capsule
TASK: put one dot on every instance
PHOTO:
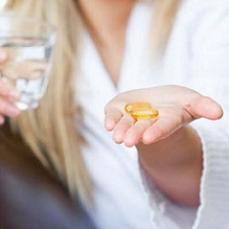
(141, 111)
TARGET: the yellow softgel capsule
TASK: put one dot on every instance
(141, 111)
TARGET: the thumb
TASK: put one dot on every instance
(204, 107)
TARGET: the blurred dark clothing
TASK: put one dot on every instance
(30, 196)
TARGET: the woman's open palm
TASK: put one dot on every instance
(177, 107)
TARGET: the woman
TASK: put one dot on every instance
(111, 40)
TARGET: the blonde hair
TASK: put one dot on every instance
(164, 17)
(51, 131)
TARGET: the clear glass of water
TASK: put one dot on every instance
(29, 44)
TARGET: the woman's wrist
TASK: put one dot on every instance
(178, 150)
(175, 165)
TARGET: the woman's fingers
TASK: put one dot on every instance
(6, 90)
(30, 69)
(131, 132)
(135, 132)
(8, 109)
(112, 116)
(8, 95)
(158, 131)
(170, 120)
(122, 127)
(25, 69)
(204, 107)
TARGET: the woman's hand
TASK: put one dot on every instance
(8, 95)
(171, 159)
(177, 107)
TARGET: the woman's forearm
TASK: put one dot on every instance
(175, 165)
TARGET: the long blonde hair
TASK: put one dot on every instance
(51, 131)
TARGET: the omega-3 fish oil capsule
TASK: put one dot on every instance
(141, 111)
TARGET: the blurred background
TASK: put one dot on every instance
(2, 3)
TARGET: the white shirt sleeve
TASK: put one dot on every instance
(211, 73)
(210, 76)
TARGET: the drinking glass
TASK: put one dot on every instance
(29, 45)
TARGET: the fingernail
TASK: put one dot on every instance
(110, 125)
(118, 139)
(129, 143)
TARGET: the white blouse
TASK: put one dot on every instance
(197, 56)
